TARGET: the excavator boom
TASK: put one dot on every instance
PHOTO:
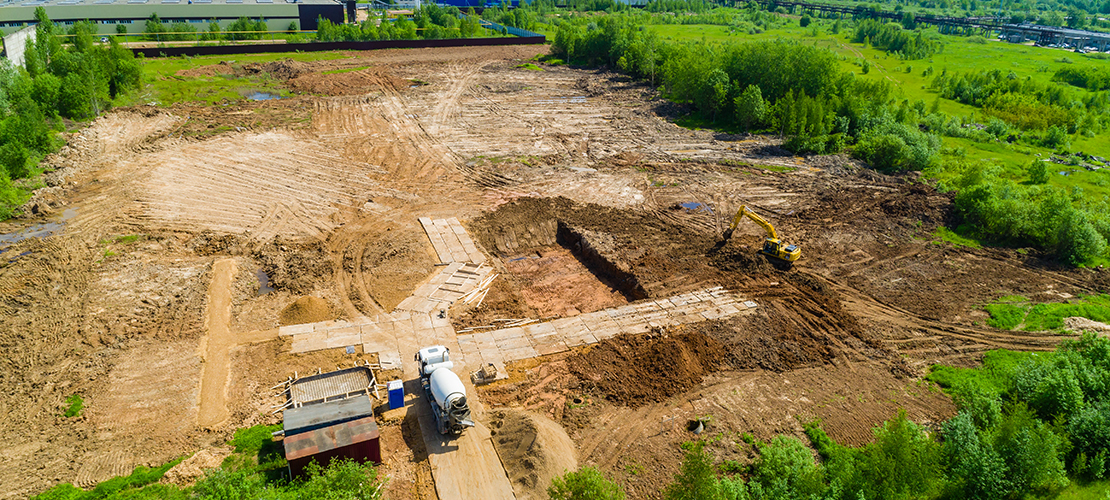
(755, 217)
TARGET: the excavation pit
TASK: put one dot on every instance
(557, 283)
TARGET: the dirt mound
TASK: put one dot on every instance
(191, 469)
(639, 369)
(898, 199)
(735, 258)
(350, 83)
(222, 68)
(284, 69)
(295, 266)
(534, 450)
(307, 309)
(211, 243)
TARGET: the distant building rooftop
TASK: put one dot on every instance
(15, 14)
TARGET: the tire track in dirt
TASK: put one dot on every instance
(461, 76)
(422, 174)
(231, 184)
(970, 341)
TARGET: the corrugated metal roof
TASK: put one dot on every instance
(331, 385)
(311, 417)
(329, 438)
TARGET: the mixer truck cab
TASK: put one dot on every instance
(444, 390)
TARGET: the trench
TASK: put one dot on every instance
(593, 258)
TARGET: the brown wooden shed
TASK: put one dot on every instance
(326, 431)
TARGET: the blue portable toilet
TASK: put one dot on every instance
(396, 391)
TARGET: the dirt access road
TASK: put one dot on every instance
(561, 176)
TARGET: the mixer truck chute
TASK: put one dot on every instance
(445, 391)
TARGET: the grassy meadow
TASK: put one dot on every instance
(164, 87)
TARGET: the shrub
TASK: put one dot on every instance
(1031, 452)
(1089, 431)
(785, 469)
(903, 462)
(587, 483)
(1038, 172)
(74, 405)
(976, 469)
(698, 478)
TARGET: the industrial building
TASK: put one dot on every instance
(132, 14)
(1056, 37)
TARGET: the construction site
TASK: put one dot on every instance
(555, 230)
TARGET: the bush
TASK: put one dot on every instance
(976, 469)
(896, 147)
(1031, 452)
(1079, 241)
(587, 483)
(1038, 172)
(342, 480)
(220, 484)
(903, 462)
(1089, 431)
(74, 405)
(1056, 138)
(785, 470)
(698, 478)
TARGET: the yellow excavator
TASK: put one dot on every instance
(772, 247)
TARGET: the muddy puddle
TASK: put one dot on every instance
(263, 282)
(581, 99)
(696, 206)
(263, 96)
(43, 230)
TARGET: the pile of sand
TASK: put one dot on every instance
(191, 469)
(533, 449)
(1077, 324)
(307, 309)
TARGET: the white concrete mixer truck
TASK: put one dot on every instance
(444, 389)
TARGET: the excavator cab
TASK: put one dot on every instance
(772, 246)
(778, 250)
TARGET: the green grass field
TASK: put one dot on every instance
(164, 87)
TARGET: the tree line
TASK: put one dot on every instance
(74, 80)
(896, 39)
(1026, 104)
(1028, 424)
(243, 28)
(797, 91)
(429, 22)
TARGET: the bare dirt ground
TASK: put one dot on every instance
(579, 172)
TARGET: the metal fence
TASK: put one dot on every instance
(322, 46)
(523, 33)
